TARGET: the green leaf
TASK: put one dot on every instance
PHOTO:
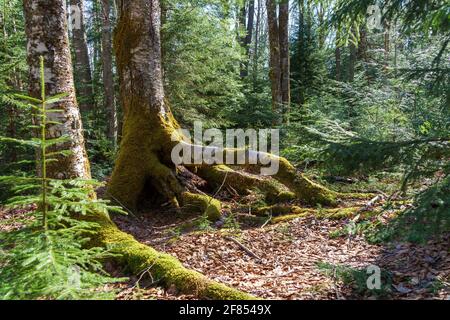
(31, 99)
(56, 98)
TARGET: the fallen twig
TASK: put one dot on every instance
(247, 250)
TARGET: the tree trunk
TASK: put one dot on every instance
(148, 124)
(82, 64)
(256, 45)
(274, 60)
(248, 37)
(144, 167)
(363, 45)
(337, 56)
(284, 58)
(351, 62)
(242, 39)
(108, 77)
(48, 38)
(387, 44)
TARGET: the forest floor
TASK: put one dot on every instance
(300, 258)
(296, 259)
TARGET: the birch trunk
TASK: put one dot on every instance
(48, 38)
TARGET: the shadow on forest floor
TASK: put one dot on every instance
(297, 259)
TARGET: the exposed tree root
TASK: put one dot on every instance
(164, 268)
(244, 182)
(281, 213)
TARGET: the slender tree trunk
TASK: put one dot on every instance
(48, 38)
(97, 44)
(248, 37)
(387, 44)
(256, 45)
(337, 57)
(274, 61)
(363, 45)
(242, 39)
(82, 70)
(321, 18)
(284, 58)
(108, 77)
(351, 62)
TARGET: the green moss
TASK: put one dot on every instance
(207, 205)
(164, 268)
(336, 214)
(306, 190)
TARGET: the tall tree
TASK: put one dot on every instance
(81, 56)
(48, 38)
(284, 58)
(257, 40)
(145, 165)
(108, 76)
(274, 52)
(247, 41)
(352, 61)
(278, 25)
(387, 43)
(337, 57)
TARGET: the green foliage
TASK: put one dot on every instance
(47, 256)
(13, 69)
(429, 216)
(201, 61)
(357, 279)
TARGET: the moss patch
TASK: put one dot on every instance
(207, 205)
(164, 268)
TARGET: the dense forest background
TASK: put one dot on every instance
(361, 95)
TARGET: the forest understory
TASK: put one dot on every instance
(292, 256)
(224, 150)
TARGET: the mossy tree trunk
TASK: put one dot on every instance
(49, 38)
(144, 157)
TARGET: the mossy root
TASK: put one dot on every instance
(164, 268)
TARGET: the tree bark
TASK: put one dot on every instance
(274, 60)
(284, 58)
(387, 44)
(248, 37)
(337, 57)
(108, 77)
(256, 45)
(48, 37)
(82, 64)
(242, 27)
(351, 62)
(363, 44)
(144, 167)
